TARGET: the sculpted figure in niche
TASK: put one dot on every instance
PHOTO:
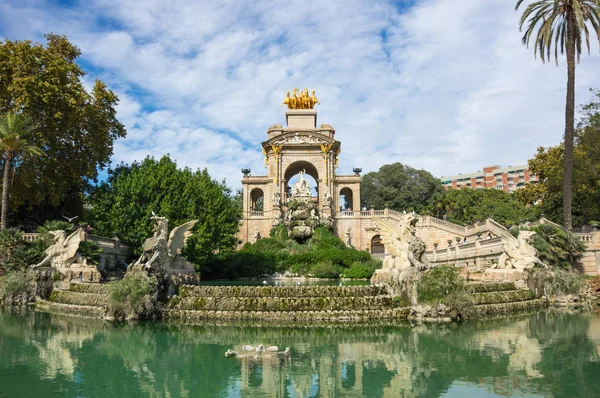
(348, 237)
(256, 236)
(276, 197)
(301, 187)
(327, 199)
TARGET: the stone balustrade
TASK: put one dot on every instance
(30, 237)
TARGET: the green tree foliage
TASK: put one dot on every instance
(75, 129)
(467, 206)
(548, 164)
(14, 131)
(125, 202)
(562, 25)
(399, 187)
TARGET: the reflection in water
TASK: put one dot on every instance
(541, 355)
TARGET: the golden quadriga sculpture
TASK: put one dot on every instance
(300, 99)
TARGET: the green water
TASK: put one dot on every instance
(550, 355)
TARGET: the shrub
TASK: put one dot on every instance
(325, 269)
(90, 251)
(16, 283)
(438, 283)
(133, 297)
(362, 270)
(278, 253)
(16, 253)
(565, 282)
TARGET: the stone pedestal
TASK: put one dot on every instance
(519, 278)
(301, 118)
(81, 274)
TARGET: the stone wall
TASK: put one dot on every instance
(338, 303)
(590, 263)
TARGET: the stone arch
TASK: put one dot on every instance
(295, 167)
(302, 165)
(346, 199)
(377, 246)
(257, 200)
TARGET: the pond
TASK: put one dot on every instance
(541, 355)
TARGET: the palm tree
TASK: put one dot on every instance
(14, 128)
(562, 24)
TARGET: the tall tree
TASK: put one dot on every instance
(467, 206)
(76, 130)
(548, 165)
(399, 187)
(14, 131)
(562, 24)
(125, 202)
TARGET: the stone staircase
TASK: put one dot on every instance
(85, 299)
(306, 303)
(502, 298)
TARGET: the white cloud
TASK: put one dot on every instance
(441, 85)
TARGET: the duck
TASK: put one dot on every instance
(248, 348)
(260, 349)
(285, 352)
(231, 353)
(272, 348)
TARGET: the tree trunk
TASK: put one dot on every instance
(5, 184)
(569, 124)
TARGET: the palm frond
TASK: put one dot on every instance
(553, 21)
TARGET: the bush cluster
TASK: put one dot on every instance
(17, 254)
(133, 297)
(438, 283)
(17, 283)
(324, 255)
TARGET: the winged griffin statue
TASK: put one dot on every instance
(63, 252)
(405, 248)
(163, 250)
(406, 255)
(518, 252)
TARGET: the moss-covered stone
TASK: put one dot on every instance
(70, 297)
(95, 288)
(502, 296)
(490, 287)
(281, 291)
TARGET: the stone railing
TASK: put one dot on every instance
(445, 224)
(480, 253)
(257, 214)
(586, 238)
(379, 256)
(346, 213)
(30, 237)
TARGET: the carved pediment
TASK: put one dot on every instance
(300, 138)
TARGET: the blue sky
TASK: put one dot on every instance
(443, 85)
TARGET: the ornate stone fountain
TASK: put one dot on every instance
(301, 216)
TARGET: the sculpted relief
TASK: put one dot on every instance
(300, 139)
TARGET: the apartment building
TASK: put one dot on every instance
(508, 179)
